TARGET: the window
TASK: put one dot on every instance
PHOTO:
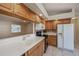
(15, 28)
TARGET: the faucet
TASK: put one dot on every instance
(24, 38)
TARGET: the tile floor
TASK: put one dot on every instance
(54, 51)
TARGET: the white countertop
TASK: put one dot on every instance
(19, 47)
(50, 33)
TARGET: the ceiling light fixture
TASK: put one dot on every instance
(41, 14)
(74, 18)
(24, 21)
(56, 19)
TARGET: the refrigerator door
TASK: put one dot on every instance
(68, 36)
(59, 35)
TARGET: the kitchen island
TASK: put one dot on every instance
(17, 46)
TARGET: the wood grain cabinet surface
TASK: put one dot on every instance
(37, 50)
(52, 40)
(32, 16)
(19, 9)
(38, 19)
(6, 7)
(52, 24)
(48, 25)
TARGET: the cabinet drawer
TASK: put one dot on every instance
(51, 36)
(52, 42)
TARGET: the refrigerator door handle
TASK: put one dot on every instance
(61, 34)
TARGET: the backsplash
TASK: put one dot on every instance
(5, 27)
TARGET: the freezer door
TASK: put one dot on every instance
(59, 36)
(68, 36)
(59, 28)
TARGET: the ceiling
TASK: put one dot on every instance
(57, 8)
(34, 8)
(52, 9)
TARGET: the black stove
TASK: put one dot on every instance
(40, 33)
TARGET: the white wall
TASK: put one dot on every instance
(7, 21)
(77, 14)
(61, 16)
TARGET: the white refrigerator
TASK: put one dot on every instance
(65, 36)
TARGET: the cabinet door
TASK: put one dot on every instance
(31, 16)
(48, 25)
(6, 7)
(38, 19)
(52, 40)
(51, 25)
(54, 24)
(43, 21)
(65, 21)
(37, 50)
(19, 10)
(27, 13)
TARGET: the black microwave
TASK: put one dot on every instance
(39, 33)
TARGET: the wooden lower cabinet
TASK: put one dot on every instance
(37, 50)
(52, 40)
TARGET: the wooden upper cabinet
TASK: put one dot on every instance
(27, 13)
(48, 25)
(43, 21)
(53, 24)
(38, 19)
(32, 16)
(19, 10)
(65, 21)
(6, 7)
